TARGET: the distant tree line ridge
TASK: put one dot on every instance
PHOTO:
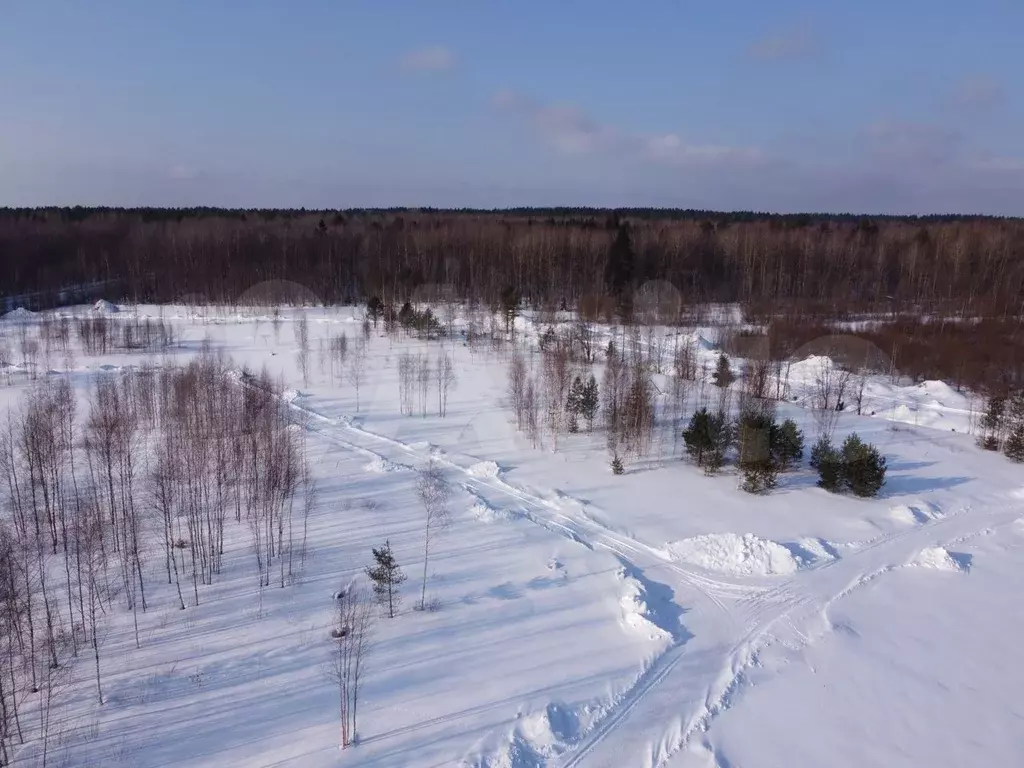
(551, 257)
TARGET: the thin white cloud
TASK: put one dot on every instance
(182, 172)
(431, 58)
(980, 92)
(569, 130)
(1000, 164)
(894, 143)
(796, 42)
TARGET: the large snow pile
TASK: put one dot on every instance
(937, 559)
(540, 736)
(104, 307)
(916, 514)
(484, 469)
(379, 465)
(19, 314)
(635, 612)
(744, 555)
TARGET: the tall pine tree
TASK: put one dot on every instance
(618, 269)
(723, 375)
(387, 577)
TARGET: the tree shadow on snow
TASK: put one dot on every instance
(907, 466)
(962, 559)
(662, 609)
(911, 484)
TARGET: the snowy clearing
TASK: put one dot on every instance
(656, 618)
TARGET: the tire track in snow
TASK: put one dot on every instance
(784, 602)
(579, 529)
(744, 653)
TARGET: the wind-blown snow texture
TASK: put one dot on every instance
(658, 618)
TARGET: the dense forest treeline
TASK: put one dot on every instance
(972, 266)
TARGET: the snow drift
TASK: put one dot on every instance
(742, 555)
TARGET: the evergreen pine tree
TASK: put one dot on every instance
(387, 577)
(826, 459)
(863, 467)
(509, 306)
(573, 423)
(375, 308)
(707, 438)
(574, 400)
(1014, 445)
(589, 401)
(992, 423)
(618, 269)
(617, 467)
(723, 375)
(819, 451)
(789, 445)
(758, 437)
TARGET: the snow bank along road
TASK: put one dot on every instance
(728, 620)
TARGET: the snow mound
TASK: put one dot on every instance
(743, 555)
(290, 395)
(380, 465)
(635, 612)
(938, 559)
(540, 736)
(104, 307)
(484, 469)
(701, 342)
(941, 392)
(20, 314)
(916, 514)
(816, 549)
(485, 513)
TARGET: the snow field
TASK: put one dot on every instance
(658, 618)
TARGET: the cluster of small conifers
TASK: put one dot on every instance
(1002, 425)
(765, 448)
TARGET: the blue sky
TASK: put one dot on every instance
(903, 106)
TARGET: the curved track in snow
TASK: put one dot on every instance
(683, 689)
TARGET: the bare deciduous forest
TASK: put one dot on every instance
(798, 274)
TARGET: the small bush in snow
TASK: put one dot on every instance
(431, 605)
(617, 467)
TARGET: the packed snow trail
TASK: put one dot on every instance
(662, 720)
(682, 690)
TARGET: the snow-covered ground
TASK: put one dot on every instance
(659, 617)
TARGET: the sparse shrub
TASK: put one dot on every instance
(375, 308)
